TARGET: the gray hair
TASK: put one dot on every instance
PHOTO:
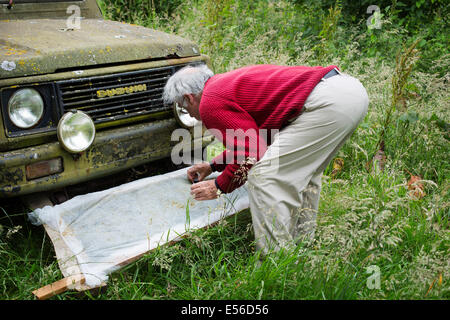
(188, 80)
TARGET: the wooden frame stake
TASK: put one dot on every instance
(58, 287)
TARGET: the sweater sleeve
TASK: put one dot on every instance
(239, 133)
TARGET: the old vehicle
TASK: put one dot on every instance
(81, 97)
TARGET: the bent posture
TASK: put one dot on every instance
(281, 125)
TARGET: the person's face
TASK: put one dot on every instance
(191, 104)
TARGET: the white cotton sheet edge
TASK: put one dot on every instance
(104, 229)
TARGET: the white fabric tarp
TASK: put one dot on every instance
(97, 233)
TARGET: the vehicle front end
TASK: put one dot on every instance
(81, 104)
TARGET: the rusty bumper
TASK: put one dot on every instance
(113, 150)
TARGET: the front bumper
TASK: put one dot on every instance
(113, 151)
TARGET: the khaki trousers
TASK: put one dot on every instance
(284, 186)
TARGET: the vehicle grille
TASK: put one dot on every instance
(117, 96)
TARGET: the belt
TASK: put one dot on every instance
(331, 73)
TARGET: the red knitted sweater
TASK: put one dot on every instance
(252, 98)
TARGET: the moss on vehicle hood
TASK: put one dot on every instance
(42, 46)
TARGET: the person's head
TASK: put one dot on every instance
(185, 87)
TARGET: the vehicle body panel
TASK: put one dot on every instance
(42, 46)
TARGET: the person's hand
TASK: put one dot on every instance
(199, 171)
(205, 190)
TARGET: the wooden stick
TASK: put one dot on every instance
(58, 287)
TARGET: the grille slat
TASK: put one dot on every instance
(130, 107)
(89, 102)
(123, 116)
(114, 86)
(130, 94)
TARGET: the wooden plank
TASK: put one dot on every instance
(58, 287)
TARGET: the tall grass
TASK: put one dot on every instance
(367, 218)
(329, 28)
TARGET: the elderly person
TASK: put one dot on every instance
(309, 113)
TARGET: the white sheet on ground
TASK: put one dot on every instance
(100, 230)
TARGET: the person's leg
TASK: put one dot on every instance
(305, 219)
(284, 186)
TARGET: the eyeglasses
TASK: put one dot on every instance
(183, 105)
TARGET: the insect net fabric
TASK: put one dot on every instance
(104, 229)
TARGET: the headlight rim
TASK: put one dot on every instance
(61, 138)
(42, 112)
(176, 113)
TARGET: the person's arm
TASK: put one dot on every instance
(218, 163)
(240, 134)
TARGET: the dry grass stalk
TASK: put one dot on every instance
(241, 174)
(404, 63)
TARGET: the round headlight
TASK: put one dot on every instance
(183, 117)
(25, 108)
(76, 131)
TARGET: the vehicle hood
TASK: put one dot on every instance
(42, 46)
